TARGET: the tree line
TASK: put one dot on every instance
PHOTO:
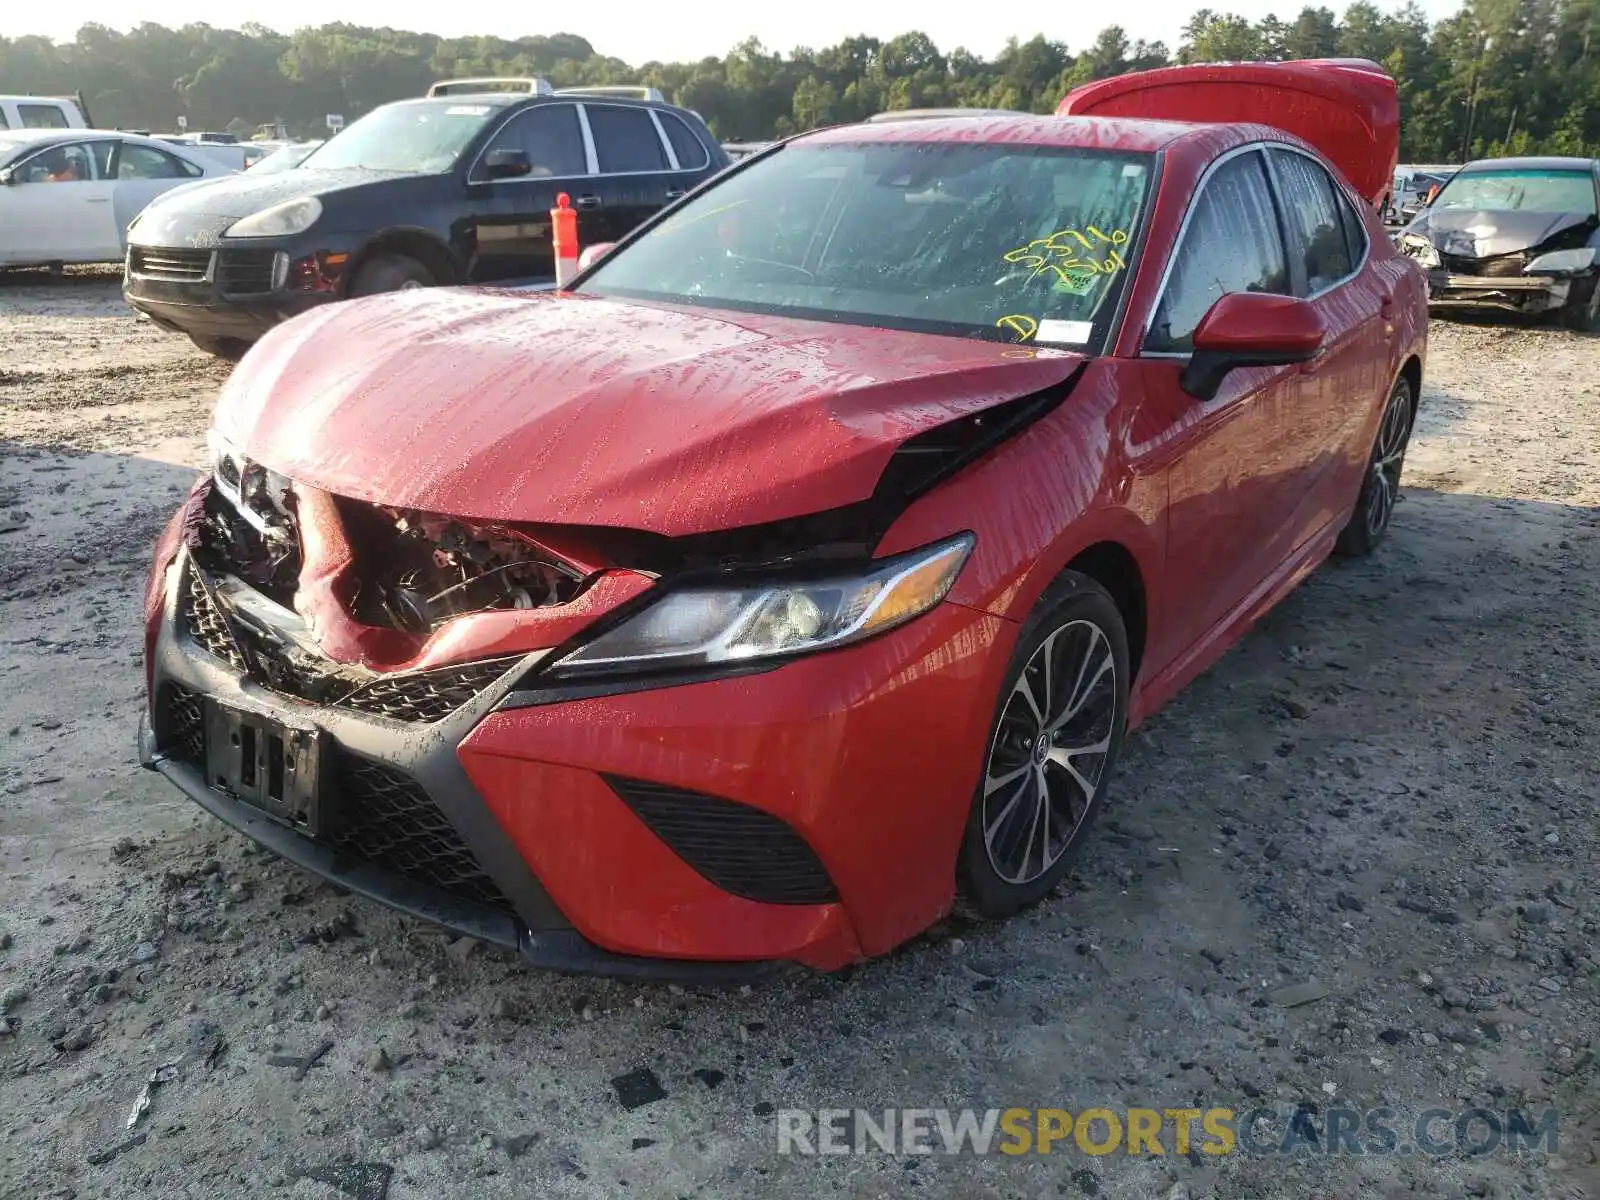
(1498, 77)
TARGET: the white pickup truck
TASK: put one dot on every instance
(43, 112)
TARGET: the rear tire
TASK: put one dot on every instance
(1052, 745)
(390, 273)
(1380, 483)
(1582, 310)
(231, 349)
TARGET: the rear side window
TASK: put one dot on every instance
(1232, 244)
(42, 116)
(691, 153)
(1316, 228)
(144, 162)
(549, 134)
(625, 139)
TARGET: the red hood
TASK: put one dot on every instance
(504, 406)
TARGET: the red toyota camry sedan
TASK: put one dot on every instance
(800, 566)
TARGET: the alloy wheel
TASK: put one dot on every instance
(1049, 752)
(1388, 457)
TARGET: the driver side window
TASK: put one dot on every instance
(65, 163)
(1233, 244)
(549, 135)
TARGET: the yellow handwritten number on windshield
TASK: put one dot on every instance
(1070, 252)
(1020, 324)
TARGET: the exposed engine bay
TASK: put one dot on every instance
(412, 572)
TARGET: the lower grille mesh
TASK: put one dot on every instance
(739, 848)
(387, 819)
(182, 722)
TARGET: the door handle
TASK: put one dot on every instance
(587, 202)
(1386, 306)
(99, 199)
(674, 193)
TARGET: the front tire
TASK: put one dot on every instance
(1582, 311)
(1380, 484)
(390, 273)
(1053, 743)
(229, 349)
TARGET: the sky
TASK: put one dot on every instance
(640, 30)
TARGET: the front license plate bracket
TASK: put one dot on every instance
(271, 765)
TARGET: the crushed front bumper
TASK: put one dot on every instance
(808, 813)
(1512, 293)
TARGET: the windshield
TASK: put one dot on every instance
(420, 138)
(1521, 190)
(1005, 242)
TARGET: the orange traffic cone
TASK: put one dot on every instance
(564, 233)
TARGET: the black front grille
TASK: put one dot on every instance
(172, 265)
(740, 849)
(386, 818)
(418, 696)
(181, 725)
(1504, 266)
(205, 623)
(426, 695)
(245, 271)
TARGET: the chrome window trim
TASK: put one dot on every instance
(591, 156)
(1188, 216)
(666, 142)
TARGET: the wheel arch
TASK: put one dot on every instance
(412, 242)
(1114, 567)
(1411, 372)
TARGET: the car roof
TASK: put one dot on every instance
(1535, 162)
(1104, 133)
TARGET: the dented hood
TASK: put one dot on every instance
(537, 407)
(1478, 233)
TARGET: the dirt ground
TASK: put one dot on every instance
(1386, 793)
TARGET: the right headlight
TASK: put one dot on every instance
(281, 220)
(708, 626)
(1414, 245)
(1562, 262)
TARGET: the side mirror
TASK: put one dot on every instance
(507, 163)
(7, 177)
(1408, 212)
(593, 254)
(1250, 329)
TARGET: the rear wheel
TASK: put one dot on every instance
(1051, 749)
(1380, 486)
(1582, 311)
(390, 273)
(231, 349)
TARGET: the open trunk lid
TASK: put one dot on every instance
(1347, 108)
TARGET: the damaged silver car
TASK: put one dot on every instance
(1517, 235)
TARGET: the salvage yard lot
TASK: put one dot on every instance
(1387, 793)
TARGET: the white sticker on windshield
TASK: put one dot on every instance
(1129, 170)
(1065, 333)
(467, 110)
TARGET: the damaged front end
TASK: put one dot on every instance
(338, 602)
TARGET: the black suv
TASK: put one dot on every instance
(443, 190)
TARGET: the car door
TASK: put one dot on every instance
(58, 209)
(1236, 460)
(636, 172)
(140, 173)
(1328, 251)
(511, 216)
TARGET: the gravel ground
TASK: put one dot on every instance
(1383, 801)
